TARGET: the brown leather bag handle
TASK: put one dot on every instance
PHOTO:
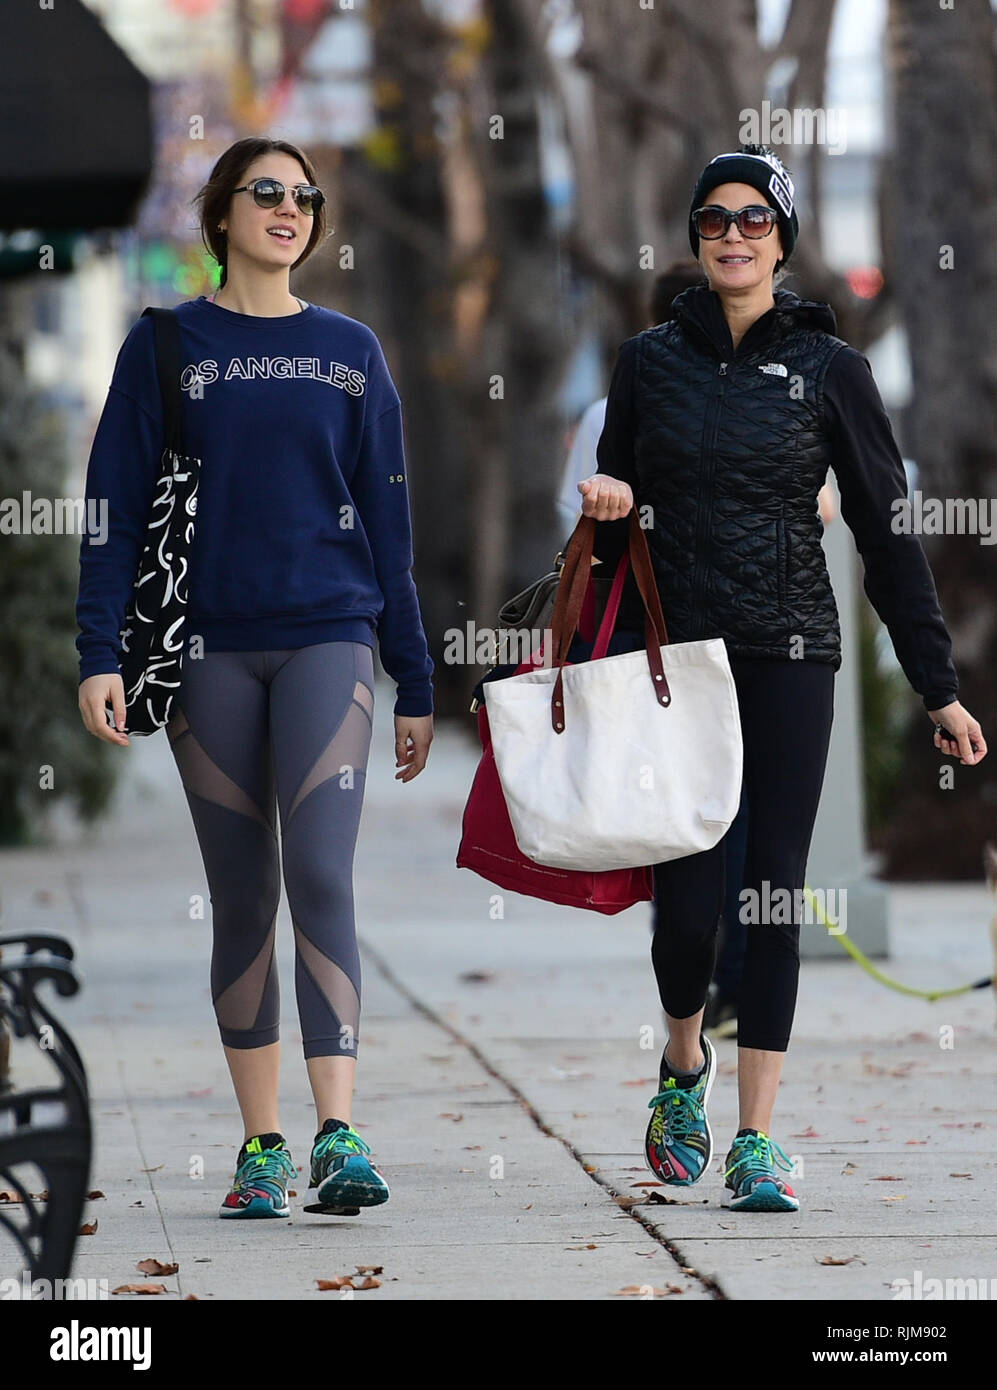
(571, 588)
(571, 594)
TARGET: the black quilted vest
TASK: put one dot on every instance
(731, 451)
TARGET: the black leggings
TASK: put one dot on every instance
(254, 731)
(786, 711)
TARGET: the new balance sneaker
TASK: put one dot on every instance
(678, 1145)
(342, 1177)
(259, 1188)
(720, 1014)
(751, 1173)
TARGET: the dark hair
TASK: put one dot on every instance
(213, 198)
(671, 282)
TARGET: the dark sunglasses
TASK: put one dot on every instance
(753, 222)
(269, 193)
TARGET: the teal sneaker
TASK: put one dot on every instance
(751, 1172)
(342, 1178)
(678, 1145)
(259, 1188)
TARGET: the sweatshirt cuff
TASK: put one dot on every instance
(413, 702)
(102, 663)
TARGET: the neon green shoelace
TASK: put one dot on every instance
(343, 1141)
(271, 1163)
(760, 1157)
(683, 1114)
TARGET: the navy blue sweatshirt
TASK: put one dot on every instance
(303, 530)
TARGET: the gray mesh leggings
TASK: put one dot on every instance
(257, 731)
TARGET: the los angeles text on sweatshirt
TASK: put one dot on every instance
(303, 530)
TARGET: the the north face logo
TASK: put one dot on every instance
(774, 369)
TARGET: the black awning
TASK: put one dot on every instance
(75, 120)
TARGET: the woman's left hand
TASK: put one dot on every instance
(418, 731)
(962, 732)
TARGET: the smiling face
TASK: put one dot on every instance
(734, 262)
(268, 237)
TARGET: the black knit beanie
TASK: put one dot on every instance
(759, 167)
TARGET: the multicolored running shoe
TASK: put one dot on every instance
(750, 1171)
(342, 1178)
(679, 1145)
(259, 1188)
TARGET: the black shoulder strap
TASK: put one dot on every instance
(166, 327)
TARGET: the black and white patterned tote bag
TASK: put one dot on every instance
(152, 636)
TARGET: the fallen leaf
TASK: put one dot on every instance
(291, 1192)
(859, 1120)
(140, 1288)
(155, 1267)
(960, 1175)
(808, 1133)
(889, 1177)
(627, 1202)
(473, 1148)
(135, 1204)
(197, 1094)
(475, 977)
(341, 1281)
(88, 1228)
(642, 1290)
(579, 1114)
(449, 1115)
(641, 1081)
(92, 1196)
(581, 1247)
(895, 1197)
(370, 1269)
(589, 1168)
(647, 1184)
(153, 1170)
(834, 1260)
(10, 1196)
(188, 1297)
(368, 1283)
(917, 1141)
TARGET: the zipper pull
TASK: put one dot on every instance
(723, 368)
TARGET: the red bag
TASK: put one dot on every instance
(488, 845)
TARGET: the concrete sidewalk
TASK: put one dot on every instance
(503, 1082)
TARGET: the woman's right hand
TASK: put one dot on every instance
(95, 693)
(605, 498)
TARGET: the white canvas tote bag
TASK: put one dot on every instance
(619, 761)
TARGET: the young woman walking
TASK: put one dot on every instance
(722, 424)
(301, 561)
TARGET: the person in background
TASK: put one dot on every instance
(582, 462)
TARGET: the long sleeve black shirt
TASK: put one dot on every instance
(870, 476)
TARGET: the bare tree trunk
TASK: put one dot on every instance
(944, 171)
(409, 293)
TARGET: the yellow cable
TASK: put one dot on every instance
(868, 966)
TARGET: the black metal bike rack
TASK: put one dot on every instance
(59, 1143)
